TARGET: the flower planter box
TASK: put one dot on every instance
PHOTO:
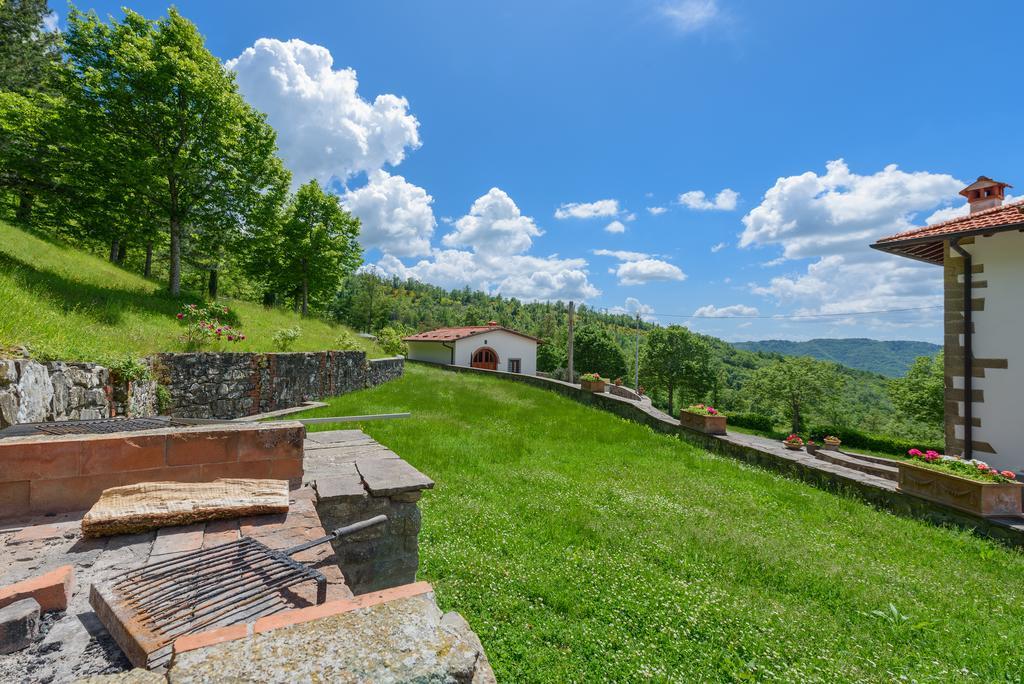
(981, 498)
(793, 446)
(595, 387)
(709, 425)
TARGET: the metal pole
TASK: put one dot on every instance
(572, 312)
(636, 368)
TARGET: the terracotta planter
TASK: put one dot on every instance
(832, 444)
(709, 425)
(595, 387)
(980, 498)
(793, 446)
(812, 449)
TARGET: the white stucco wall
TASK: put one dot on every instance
(999, 334)
(506, 346)
(432, 352)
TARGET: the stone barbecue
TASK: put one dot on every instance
(387, 624)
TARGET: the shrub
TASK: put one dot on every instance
(284, 338)
(129, 369)
(391, 342)
(346, 340)
(205, 324)
(752, 421)
(163, 399)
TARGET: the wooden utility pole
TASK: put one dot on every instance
(572, 314)
(636, 368)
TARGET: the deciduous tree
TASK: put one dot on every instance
(675, 359)
(920, 394)
(594, 351)
(168, 118)
(794, 387)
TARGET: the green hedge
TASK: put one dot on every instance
(855, 438)
(752, 421)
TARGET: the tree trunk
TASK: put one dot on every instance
(175, 277)
(796, 418)
(114, 247)
(269, 299)
(212, 285)
(24, 211)
(305, 296)
(671, 397)
(148, 270)
(122, 251)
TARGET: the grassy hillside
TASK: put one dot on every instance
(63, 303)
(890, 358)
(582, 547)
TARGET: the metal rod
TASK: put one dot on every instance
(340, 532)
(352, 419)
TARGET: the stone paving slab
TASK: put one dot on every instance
(384, 477)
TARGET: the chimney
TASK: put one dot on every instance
(984, 193)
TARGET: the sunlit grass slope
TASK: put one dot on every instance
(585, 548)
(67, 304)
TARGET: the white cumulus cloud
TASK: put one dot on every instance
(633, 307)
(725, 200)
(396, 215)
(497, 233)
(718, 248)
(325, 127)
(526, 277)
(731, 311)
(832, 219)
(689, 16)
(494, 225)
(656, 211)
(583, 210)
(644, 271)
(615, 227)
(622, 254)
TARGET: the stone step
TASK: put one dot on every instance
(865, 464)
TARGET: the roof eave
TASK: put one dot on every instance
(892, 246)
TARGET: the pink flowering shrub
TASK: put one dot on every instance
(205, 324)
(974, 470)
(703, 410)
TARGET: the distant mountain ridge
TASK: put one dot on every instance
(890, 358)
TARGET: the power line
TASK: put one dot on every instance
(798, 316)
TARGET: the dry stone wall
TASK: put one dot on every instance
(33, 392)
(200, 385)
(232, 385)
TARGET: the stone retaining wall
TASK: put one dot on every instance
(1007, 530)
(232, 385)
(201, 385)
(33, 392)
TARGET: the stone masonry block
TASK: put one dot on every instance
(19, 625)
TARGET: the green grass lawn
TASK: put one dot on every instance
(66, 304)
(582, 547)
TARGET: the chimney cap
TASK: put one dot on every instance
(983, 182)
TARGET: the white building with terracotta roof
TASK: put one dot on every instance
(490, 346)
(982, 255)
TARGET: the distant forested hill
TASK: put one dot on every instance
(877, 356)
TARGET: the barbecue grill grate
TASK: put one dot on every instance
(101, 426)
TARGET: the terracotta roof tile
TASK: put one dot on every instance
(452, 334)
(1006, 215)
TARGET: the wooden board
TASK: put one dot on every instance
(150, 505)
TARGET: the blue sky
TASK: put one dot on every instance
(465, 130)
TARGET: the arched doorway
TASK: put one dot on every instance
(485, 357)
